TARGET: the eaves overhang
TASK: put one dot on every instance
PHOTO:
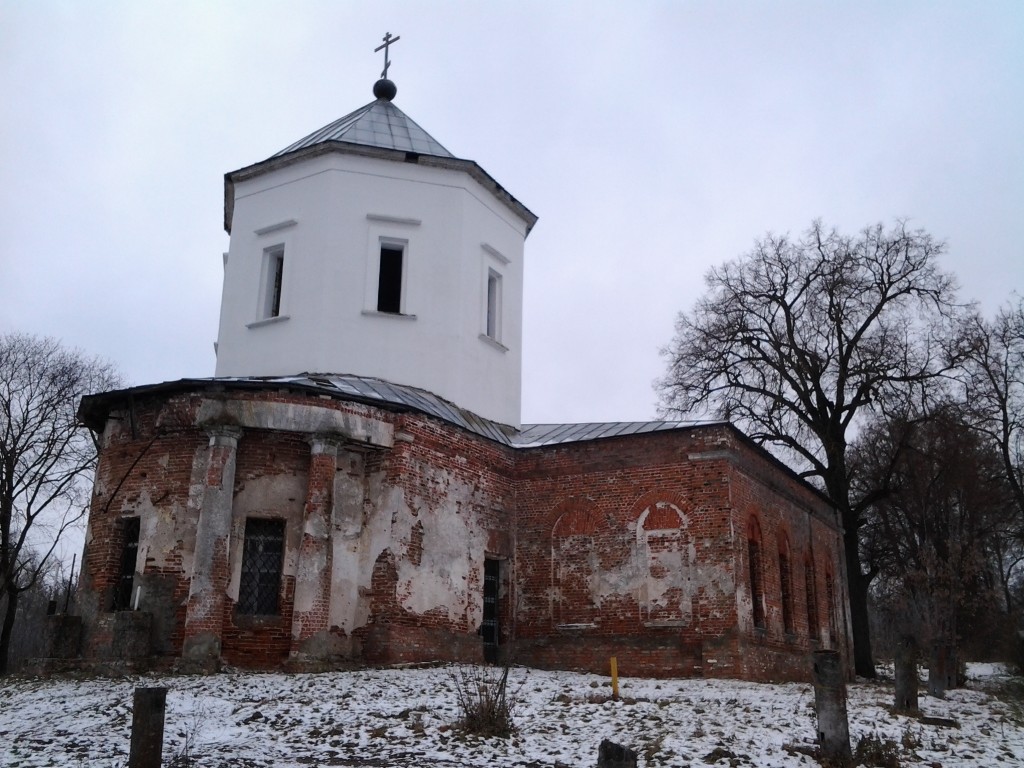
(469, 167)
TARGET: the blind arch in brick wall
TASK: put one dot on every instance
(574, 564)
(663, 546)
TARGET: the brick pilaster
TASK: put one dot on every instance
(311, 614)
(204, 614)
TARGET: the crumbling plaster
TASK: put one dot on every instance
(663, 581)
(361, 532)
(296, 418)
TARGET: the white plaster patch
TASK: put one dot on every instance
(293, 417)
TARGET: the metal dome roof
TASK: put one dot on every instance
(378, 124)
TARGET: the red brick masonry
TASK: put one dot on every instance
(636, 546)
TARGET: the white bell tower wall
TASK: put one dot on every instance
(349, 264)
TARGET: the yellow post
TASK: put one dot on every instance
(615, 679)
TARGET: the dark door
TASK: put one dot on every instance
(489, 629)
(129, 554)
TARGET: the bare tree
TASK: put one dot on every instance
(801, 338)
(44, 454)
(993, 377)
(937, 538)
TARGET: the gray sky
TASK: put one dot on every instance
(654, 140)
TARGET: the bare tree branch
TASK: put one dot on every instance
(44, 456)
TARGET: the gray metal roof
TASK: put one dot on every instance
(379, 124)
(529, 436)
(538, 435)
(377, 391)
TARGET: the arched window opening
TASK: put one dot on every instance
(786, 587)
(811, 594)
(756, 583)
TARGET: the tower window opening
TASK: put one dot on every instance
(273, 278)
(493, 305)
(389, 285)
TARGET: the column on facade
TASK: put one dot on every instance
(204, 613)
(311, 613)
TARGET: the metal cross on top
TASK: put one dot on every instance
(388, 40)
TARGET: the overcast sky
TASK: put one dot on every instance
(654, 140)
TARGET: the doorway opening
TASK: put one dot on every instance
(490, 629)
(129, 556)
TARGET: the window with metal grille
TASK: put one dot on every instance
(489, 627)
(129, 556)
(261, 567)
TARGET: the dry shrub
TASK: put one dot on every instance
(486, 706)
(876, 752)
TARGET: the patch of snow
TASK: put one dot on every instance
(405, 717)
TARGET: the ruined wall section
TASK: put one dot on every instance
(625, 549)
(150, 463)
(445, 503)
(408, 522)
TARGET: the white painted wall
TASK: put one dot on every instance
(341, 206)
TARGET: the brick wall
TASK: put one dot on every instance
(596, 538)
(634, 546)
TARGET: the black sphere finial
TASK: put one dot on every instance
(384, 89)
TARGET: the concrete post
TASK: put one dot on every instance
(148, 710)
(612, 755)
(906, 675)
(311, 613)
(830, 705)
(204, 614)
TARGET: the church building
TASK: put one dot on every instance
(354, 484)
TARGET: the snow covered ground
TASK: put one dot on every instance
(393, 717)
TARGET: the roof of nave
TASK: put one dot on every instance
(373, 391)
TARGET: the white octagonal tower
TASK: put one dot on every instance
(367, 248)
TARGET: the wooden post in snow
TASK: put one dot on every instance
(941, 669)
(906, 675)
(148, 710)
(830, 706)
